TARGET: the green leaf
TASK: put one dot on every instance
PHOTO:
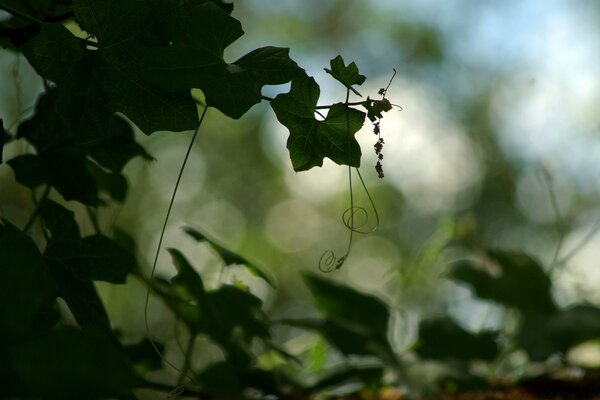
(312, 140)
(70, 363)
(82, 298)
(60, 222)
(112, 183)
(269, 65)
(187, 62)
(93, 85)
(229, 257)
(99, 258)
(30, 170)
(115, 148)
(233, 309)
(25, 287)
(435, 334)
(511, 279)
(347, 75)
(187, 277)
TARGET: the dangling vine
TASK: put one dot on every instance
(328, 262)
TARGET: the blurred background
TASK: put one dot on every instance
(496, 146)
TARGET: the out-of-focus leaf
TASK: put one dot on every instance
(143, 355)
(25, 286)
(541, 335)
(365, 374)
(233, 308)
(347, 75)
(511, 279)
(220, 378)
(70, 363)
(60, 222)
(29, 170)
(229, 257)
(361, 312)
(443, 339)
(100, 258)
(112, 183)
(2, 140)
(355, 323)
(228, 315)
(187, 277)
(83, 300)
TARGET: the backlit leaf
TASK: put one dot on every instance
(310, 139)
(347, 75)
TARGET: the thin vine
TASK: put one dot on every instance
(158, 248)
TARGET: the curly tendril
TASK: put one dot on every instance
(349, 215)
(329, 262)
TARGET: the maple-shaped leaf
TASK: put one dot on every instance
(93, 84)
(310, 139)
(347, 75)
(193, 58)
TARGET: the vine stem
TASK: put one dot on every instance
(160, 240)
(355, 103)
(19, 14)
(187, 363)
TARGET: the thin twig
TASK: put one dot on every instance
(355, 103)
(187, 362)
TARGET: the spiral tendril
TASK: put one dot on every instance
(329, 262)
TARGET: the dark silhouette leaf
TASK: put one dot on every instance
(312, 140)
(70, 363)
(112, 183)
(93, 85)
(83, 300)
(355, 323)
(143, 355)
(187, 277)
(542, 335)
(347, 75)
(187, 62)
(25, 287)
(511, 279)
(443, 339)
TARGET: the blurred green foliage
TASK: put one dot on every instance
(481, 269)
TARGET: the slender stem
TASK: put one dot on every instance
(37, 203)
(560, 225)
(349, 182)
(162, 234)
(19, 14)
(187, 362)
(355, 103)
(163, 387)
